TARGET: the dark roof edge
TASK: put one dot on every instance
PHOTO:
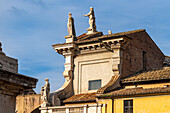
(134, 95)
(140, 81)
(79, 101)
(129, 95)
(19, 75)
(98, 40)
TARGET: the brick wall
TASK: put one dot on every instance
(133, 55)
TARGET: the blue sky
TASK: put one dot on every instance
(29, 28)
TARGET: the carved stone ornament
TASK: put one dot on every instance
(110, 32)
(1, 52)
(70, 25)
(45, 91)
(92, 24)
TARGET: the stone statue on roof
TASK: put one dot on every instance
(70, 25)
(45, 91)
(92, 24)
(1, 52)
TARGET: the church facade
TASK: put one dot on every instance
(114, 73)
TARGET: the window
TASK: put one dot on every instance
(94, 84)
(128, 106)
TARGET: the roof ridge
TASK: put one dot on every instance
(154, 74)
(129, 32)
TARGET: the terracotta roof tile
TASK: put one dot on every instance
(86, 97)
(85, 38)
(89, 36)
(83, 35)
(128, 32)
(160, 74)
(137, 91)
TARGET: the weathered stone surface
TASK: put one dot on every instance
(28, 103)
(9, 64)
(7, 103)
(17, 79)
(11, 83)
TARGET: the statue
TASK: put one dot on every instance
(70, 25)
(92, 24)
(110, 32)
(1, 52)
(45, 93)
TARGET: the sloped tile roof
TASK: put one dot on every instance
(84, 38)
(89, 36)
(136, 91)
(160, 74)
(91, 97)
(86, 97)
(97, 36)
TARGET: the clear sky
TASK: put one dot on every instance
(29, 28)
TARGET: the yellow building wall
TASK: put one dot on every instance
(107, 105)
(147, 104)
(148, 85)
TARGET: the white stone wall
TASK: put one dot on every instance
(94, 66)
(90, 108)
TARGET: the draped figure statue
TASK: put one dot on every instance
(70, 25)
(45, 91)
(92, 24)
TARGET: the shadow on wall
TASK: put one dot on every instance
(36, 110)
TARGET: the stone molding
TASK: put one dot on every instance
(86, 108)
(18, 79)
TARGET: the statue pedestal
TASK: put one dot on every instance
(70, 38)
(90, 31)
(45, 104)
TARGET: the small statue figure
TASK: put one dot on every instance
(0, 46)
(92, 24)
(110, 32)
(70, 25)
(45, 93)
(1, 52)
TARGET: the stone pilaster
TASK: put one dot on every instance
(67, 50)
